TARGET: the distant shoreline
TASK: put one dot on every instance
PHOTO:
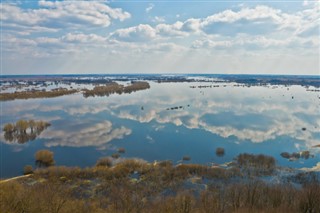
(155, 74)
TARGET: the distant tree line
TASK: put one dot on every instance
(23, 131)
(36, 94)
(105, 90)
(114, 87)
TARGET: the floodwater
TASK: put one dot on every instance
(258, 119)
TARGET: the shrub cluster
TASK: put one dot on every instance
(114, 87)
(36, 94)
(159, 189)
(256, 164)
(44, 158)
(23, 131)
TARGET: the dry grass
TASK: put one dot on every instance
(156, 187)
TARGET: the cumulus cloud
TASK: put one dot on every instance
(158, 19)
(253, 42)
(61, 14)
(140, 33)
(145, 32)
(248, 26)
(83, 38)
(191, 25)
(69, 30)
(170, 30)
(258, 20)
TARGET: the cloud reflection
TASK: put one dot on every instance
(256, 114)
(97, 135)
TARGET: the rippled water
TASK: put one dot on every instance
(267, 120)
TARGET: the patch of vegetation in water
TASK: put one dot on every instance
(297, 155)
(24, 131)
(36, 94)
(105, 90)
(114, 87)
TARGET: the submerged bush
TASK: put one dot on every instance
(186, 158)
(121, 150)
(106, 162)
(23, 131)
(27, 170)
(44, 158)
(220, 152)
(256, 164)
(115, 155)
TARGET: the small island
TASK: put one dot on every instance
(99, 90)
(114, 87)
(36, 94)
(23, 131)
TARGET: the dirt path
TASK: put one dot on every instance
(14, 178)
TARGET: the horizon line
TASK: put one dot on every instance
(257, 74)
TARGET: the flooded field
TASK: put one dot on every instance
(202, 120)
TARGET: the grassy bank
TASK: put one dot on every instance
(138, 186)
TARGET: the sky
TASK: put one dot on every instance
(113, 37)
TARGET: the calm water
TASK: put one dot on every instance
(256, 119)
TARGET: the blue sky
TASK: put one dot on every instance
(252, 37)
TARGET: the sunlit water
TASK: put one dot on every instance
(266, 120)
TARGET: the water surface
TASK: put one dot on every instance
(238, 118)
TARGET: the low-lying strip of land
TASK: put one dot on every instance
(104, 90)
(36, 94)
(114, 87)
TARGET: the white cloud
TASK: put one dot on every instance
(47, 40)
(191, 25)
(170, 30)
(140, 33)
(62, 14)
(260, 20)
(13, 14)
(158, 19)
(25, 30)
(149, 8)
(92, 11)
(254, 42)
(207, 43)
(76, 31)
(259, 12)
(83, 38)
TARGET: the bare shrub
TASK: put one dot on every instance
(186, 158)
(106, 162)
(309, 198)
(44, 158)
(27, 170)
(115, 155)
(121, 150)
(220, 152)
